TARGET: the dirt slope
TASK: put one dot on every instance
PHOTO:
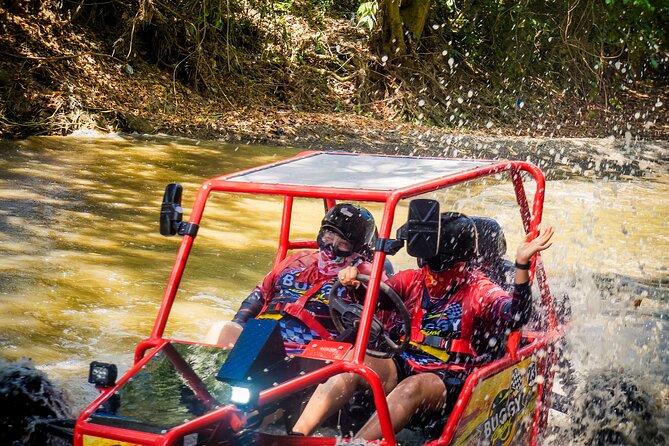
(55, 80)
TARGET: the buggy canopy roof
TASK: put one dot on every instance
(353, 171)
(365, 177)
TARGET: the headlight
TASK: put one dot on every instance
(102, 374)
(240, 395)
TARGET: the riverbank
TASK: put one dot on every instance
(562, 157)
(58, 76)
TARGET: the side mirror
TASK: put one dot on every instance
(171, 213)
(422, 228)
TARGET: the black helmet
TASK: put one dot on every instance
(458, 242)
(492, 244)
(354, 223)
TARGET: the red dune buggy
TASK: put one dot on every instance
(197, 394)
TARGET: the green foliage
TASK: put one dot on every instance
(590, 49)
(567, 44)
(642, 4)
(367, 14)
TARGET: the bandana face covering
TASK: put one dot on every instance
(438, 284)
(330, 264)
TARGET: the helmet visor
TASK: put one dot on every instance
(340, 246)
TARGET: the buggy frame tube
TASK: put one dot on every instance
(284, 234)
(531, 223)
(177, 271)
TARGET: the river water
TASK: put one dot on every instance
(84, 268)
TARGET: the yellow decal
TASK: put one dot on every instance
(275, 316)
(434, 351)
(97, 441)
(499, 406)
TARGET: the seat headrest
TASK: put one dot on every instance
(492, 243)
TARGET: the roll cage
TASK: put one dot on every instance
(335, 176)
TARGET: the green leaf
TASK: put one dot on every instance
(367, 14)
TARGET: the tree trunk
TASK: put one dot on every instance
(392, 43)
(414, 15)
(399, 16)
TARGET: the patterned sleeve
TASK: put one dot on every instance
(250, 307)
(264, 292)
(511, 311)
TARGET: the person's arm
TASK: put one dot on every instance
(527, 249)
(514, 310)
(254, 302)
(347, 277)
(511, 311)
(250, 307)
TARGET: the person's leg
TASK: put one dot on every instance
(224, 333)
(331, 396)
(425, 391)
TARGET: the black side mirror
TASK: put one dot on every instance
(422, 228)
(171, 213)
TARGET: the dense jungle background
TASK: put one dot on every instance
(262, 70)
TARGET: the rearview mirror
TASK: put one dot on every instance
(171, 213)
(422, 228)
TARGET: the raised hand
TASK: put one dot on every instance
(528, 248)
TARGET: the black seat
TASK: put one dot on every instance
(492, 248)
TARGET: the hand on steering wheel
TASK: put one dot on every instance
(346, 318)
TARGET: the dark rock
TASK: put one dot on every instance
(138, 124)
(26, 397)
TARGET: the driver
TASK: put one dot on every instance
(295, 292)
(459, 319)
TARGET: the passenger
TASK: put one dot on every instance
(296, 291)
(492, 247)
(460, 309)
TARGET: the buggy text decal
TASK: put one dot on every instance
(497, 409)
(507, 405)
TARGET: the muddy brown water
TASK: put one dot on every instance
(84, 268)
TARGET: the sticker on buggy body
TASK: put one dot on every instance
(499, 410)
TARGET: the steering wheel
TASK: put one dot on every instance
(346, 318)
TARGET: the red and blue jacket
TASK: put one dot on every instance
(296, 293)
(464, 316)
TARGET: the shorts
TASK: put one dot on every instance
(449, 377)
(434, 420)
